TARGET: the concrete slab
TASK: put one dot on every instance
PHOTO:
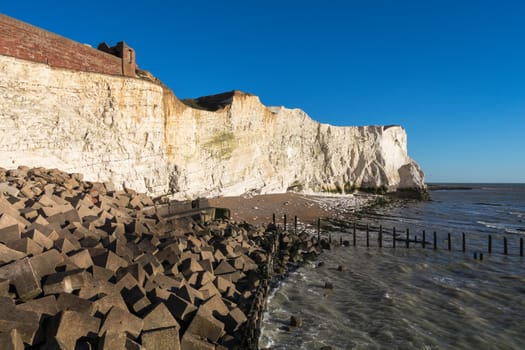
(74, 325)
(119, 320)
(166, 339)
(24, 278)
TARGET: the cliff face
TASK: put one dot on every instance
(106, 127)
(138, 134)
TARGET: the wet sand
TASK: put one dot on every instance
(258, 209)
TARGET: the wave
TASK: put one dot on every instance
(489, 204)
(517, 231)
(493, 225)
(503, 227)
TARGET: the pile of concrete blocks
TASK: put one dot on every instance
(83, 266)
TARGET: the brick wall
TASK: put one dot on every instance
(21, 40)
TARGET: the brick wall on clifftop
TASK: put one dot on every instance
(22, 40)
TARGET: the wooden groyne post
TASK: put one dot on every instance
(318, 229)
(490, 244)
(354, 236)
(367, 236)
(394, 237)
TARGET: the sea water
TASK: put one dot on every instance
(399, 298)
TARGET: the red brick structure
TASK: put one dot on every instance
(22, 40)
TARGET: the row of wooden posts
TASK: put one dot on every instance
(407, 240)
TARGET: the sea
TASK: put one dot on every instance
(415, 297)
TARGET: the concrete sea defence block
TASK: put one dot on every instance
(21, 274)
(74, 325)
(128, 277)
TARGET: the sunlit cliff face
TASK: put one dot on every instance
(137, 134)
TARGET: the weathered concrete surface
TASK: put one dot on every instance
(155, 282)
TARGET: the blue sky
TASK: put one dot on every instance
(451, 72)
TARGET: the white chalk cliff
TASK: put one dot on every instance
(137, 134)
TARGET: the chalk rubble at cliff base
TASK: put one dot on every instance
(85, 266)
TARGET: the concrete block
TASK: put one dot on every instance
(4, 287)
(190, 266)
(207, 254)
(169, 254)
(146, 246)
(224, 268)
(71, 216)
(26, 322)
(27, 191)
(12, 340)
(40, 238)
(180, 308)
(101, 273)
(71, 302)
(113, 341)
(135, 298)
(9, 189)
(11, 215)
(46, 306)
(71, 183)
(50, 211)
(223, 284)
(149, 258)
(73, 326)
(45, 263)
(66, 282)
(29, 213)
(104, 304)
(65, 245)
(204, 277)
(136, 203)
(189, 294)
(24, 278)
(234, 319)
(207, 264)
(81, 259)
(166, 339)
(159, 317)
(206, 326)
(26, 245)
(47, 200)
(214, 306)
(110, 261)
(117, 341)
(168, 282)
(127, 282)
(8, 255)
(119, 320)
(9, 233)
(208, 290)
(233, 277)
(191, 341)
(57, 220)
(85, 211)
(134, 270)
